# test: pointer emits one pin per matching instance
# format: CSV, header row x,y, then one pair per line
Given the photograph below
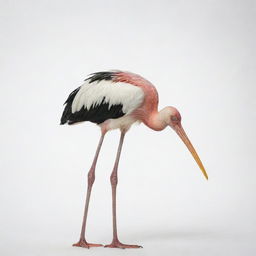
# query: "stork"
x,y
116,100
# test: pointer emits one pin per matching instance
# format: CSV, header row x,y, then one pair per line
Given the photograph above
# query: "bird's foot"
x,y
84,244
117,244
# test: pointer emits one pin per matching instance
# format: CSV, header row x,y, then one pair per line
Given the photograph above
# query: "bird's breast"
x,y
123,123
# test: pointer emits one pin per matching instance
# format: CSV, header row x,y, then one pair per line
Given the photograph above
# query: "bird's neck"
x,y
156,121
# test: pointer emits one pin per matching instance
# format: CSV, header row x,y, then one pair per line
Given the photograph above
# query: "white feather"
x,y
92,94
124,123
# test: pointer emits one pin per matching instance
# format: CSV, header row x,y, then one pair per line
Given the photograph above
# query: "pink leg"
x,y
91,177
114,179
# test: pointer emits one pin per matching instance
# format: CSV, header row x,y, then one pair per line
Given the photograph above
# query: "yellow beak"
x,y
180,131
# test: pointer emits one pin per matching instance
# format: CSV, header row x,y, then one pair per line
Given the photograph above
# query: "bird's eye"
x,y
174,118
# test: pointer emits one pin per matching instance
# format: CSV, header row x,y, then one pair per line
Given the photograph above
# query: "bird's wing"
x,y
98,101
113,93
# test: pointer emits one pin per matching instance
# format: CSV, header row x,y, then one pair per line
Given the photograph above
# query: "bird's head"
x,y
172,118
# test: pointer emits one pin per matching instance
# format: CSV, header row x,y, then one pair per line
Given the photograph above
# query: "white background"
x,y
201,57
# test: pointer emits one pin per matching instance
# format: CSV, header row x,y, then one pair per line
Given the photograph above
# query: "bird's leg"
x,y
91,177
114,179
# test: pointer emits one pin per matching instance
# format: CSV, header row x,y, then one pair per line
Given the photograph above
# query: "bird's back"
x,y
102,97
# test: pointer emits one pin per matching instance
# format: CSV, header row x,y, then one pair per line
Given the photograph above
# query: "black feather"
x,y
99,76
67,110
96,114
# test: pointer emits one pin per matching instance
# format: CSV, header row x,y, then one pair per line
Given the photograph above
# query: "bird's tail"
x,y
68,108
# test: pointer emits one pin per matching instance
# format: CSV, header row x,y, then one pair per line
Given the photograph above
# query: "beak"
x,y
180,131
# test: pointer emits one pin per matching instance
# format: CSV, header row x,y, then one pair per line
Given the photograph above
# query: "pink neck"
x,y
155,121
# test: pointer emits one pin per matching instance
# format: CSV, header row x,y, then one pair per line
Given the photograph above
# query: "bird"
x,y
116,100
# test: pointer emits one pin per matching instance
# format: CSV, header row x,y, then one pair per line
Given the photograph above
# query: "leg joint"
x,y
113,179
91,177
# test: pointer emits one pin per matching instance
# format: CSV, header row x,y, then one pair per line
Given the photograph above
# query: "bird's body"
x,y
113,100
116,100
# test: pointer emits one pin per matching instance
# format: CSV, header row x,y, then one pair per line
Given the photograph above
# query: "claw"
x,y
117,244
84,244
